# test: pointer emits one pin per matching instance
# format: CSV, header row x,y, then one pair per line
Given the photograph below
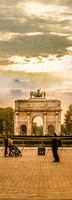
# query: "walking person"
x,y
6,146
55,145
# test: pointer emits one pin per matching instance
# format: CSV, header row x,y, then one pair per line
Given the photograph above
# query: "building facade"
x,y
27,110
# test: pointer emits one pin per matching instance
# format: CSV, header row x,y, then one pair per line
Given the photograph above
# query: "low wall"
x,y
35,141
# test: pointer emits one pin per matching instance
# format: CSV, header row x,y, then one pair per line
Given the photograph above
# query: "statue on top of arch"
x,y
37,94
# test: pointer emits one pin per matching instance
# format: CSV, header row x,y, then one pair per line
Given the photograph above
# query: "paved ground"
x,y
33,177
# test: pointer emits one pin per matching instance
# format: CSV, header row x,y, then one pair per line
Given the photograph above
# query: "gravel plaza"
x,y
34,177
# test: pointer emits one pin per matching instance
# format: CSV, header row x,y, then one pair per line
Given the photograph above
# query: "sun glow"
x,y
60,34
34,33
45,11
40,9
40,64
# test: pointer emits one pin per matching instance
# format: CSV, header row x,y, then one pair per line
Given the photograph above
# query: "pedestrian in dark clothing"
x,y
54,143
10,144
6,145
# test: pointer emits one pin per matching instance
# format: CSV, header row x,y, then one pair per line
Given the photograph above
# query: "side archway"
x,y
23,129
51,129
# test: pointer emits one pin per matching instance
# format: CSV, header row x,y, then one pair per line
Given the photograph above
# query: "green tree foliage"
x,y
63,129
68,121
51,129
6,120
37,130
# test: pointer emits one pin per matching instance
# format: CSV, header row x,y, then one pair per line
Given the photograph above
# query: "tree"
x,y
6,120
68,120
63,130
2,119
37,130
51,129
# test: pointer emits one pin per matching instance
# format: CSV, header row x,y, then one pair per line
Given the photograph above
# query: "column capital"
x,y
16,113
56,113
28,113
44,113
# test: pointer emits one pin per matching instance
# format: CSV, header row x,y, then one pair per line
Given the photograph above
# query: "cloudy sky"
x,y
35,50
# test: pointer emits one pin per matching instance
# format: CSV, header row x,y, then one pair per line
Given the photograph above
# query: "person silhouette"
x,y
6,145
54,144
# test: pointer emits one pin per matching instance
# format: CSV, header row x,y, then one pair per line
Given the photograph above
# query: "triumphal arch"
x,y
37,105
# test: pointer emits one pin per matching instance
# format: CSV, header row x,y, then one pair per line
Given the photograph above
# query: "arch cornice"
x,y
37,110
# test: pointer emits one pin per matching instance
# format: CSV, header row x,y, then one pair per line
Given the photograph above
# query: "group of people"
x,y
10,148
55,143
8,142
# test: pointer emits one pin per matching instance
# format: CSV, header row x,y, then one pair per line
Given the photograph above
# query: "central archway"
x,y
37,126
